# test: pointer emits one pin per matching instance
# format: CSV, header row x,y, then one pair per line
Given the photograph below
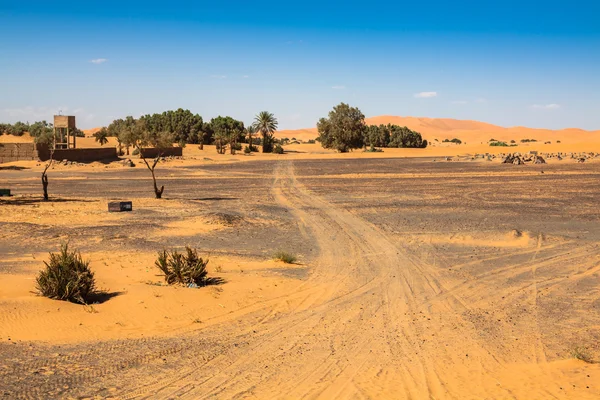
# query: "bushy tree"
x,y
226,130
185,126
343,130
377,136
19,128
401,136
42,132
266,123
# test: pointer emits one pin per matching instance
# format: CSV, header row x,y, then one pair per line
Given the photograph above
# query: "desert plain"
x,y
420,273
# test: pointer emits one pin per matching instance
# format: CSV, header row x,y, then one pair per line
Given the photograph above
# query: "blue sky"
x,y
528,63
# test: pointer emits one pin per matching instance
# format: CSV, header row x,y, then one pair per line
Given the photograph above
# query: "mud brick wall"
x,y
151,152
78,155
17,151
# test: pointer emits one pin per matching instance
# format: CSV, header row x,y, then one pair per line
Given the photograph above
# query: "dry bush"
x,y
184,269
285,257
582,354
66,277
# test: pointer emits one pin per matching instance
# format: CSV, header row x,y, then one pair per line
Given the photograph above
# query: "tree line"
x,y
183,127
345,129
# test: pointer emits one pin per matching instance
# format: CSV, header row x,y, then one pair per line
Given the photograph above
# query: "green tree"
x,y
226,130
185,126
136,134
251,130
41,132
101,136
344,129
266,123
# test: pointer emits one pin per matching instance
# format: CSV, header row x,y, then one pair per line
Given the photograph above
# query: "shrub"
x,y
135,152
247,150
66,277
500,144
373,149
184,269
455,140
582,354
528,140
278,149
285,257
237,146
311,141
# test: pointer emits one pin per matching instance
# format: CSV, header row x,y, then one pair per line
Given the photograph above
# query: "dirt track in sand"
x,y
386,312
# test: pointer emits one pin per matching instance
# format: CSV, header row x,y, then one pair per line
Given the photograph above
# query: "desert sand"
x,y
416,277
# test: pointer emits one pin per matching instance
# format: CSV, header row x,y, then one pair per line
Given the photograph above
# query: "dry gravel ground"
x,y
425,280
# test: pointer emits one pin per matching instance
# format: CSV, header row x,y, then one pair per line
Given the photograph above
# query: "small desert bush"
x,y
182,268
285,257
247,150
278,149
66,277
582,354
455,140
499,144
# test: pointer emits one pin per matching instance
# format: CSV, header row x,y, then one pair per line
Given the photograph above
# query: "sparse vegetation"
x,y
183,268
528,140
66,277
278,149
455,140
286,257
582,354
498,144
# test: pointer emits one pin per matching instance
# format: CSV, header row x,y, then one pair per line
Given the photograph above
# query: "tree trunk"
x,y
45,185
158,192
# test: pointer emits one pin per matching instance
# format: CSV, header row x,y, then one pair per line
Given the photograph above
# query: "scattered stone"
x,y
128,163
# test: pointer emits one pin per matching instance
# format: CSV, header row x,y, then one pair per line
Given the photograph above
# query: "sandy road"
x,y
373,321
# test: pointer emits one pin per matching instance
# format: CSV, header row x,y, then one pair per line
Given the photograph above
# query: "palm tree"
x,y
101,136
266,123
251,130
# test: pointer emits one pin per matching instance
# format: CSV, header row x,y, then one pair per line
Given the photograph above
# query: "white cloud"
x,y
459,102
481,100
219,76
546,106
245,76
425,95
98,60
339,87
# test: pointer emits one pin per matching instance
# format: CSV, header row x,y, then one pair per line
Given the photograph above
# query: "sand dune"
x,y
473,132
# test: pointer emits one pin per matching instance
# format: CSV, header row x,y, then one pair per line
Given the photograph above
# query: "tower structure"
x,y
64,132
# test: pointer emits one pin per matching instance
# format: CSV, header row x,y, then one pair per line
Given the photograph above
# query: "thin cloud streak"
x,y
546,106
425,95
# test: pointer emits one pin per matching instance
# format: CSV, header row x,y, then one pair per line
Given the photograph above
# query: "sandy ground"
x,y
417,278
